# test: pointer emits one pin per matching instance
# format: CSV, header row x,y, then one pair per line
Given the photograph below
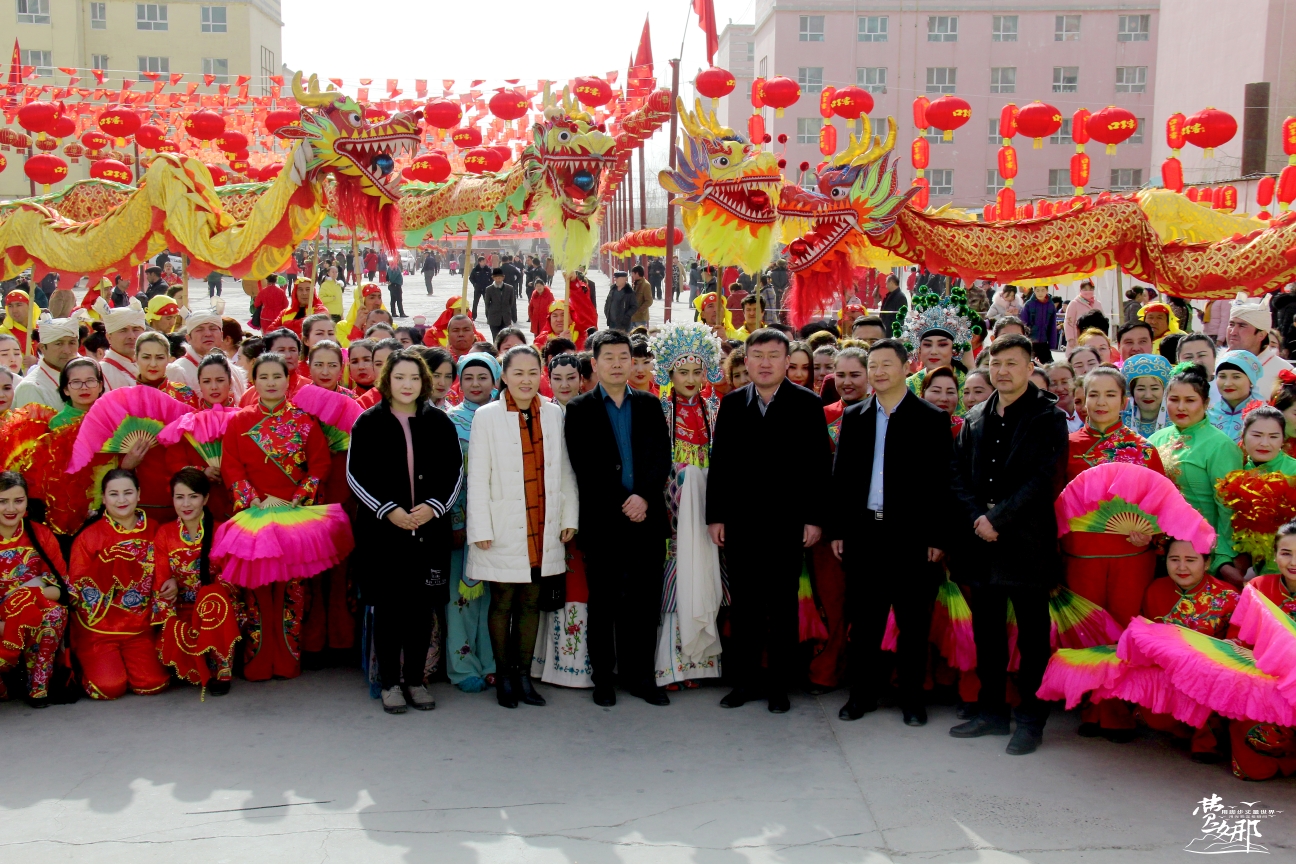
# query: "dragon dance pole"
x,y
463,294
668,288
643,203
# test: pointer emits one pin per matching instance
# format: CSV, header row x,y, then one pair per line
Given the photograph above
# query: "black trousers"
x,y
989,624
478,293
764,570
397,301
427,281
625,599
879,578
403,624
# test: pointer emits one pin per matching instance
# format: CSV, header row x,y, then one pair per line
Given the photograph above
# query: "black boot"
x,y
505,693
526,690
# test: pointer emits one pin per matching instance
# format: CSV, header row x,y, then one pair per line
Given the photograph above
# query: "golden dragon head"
x,y
728,189
564,164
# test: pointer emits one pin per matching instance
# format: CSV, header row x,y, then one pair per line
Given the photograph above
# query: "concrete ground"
x,y
312,770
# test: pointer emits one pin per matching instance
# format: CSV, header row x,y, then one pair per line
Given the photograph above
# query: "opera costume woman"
x,y
273,455
522,508
1237,378
33,610
1146,377
1195,456
111,583
404,471
688,639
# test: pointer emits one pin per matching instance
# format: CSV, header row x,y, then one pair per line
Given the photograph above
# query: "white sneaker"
x,y
393,700
421,698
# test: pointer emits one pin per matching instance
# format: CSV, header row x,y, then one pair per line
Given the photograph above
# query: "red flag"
x,y
15,66
644,55
705,10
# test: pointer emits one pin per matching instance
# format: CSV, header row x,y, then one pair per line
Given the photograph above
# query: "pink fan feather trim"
x,y
206,426
252,557
108,412
334,409
1142,487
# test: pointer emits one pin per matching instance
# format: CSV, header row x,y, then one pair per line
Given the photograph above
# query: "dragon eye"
x,y
837,192
354,118
720,161
564,136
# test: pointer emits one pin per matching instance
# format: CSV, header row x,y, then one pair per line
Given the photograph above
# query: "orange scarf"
x,y
532,474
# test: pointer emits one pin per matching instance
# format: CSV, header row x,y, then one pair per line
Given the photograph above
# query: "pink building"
x,y
1083,54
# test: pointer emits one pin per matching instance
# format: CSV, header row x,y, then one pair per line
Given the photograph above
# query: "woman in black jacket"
x,y
405,470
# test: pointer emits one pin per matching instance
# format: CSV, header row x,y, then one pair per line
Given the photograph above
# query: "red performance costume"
x,y
110,579
294,315
68,497
1265,750
33,623
280,452
200,627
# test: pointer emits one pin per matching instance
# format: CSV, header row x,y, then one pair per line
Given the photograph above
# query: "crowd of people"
x,y
588,507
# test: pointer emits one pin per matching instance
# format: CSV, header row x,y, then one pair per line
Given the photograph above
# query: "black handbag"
x,y
553,592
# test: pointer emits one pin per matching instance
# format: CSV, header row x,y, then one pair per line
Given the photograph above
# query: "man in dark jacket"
x,y
501,302
154,285
621,303
1009,465
479,278
656,275
643,292
892,479
765,538
893,300
429,270
620,450
396,288
512,278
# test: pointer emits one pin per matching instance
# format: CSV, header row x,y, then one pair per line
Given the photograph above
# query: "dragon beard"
x,y
378,216
717,235
571,240
814,288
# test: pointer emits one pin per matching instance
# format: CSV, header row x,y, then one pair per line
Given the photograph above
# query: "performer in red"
x,y
356,322
559,322
152,354
110,580
199,627
273,455
270,302
539,307
32,614
288,346
303,303
584,314
215,378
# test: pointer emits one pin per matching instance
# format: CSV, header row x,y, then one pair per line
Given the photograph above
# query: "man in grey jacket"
x,y
621,303
501,302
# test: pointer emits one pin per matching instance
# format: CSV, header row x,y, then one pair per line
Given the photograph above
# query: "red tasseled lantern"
x,y
204,125
95,140
1226,198
1193,194
46,169
1080,171
1007,203
1175,124
111,169
39,117
1210,128
431,167
827,140
756,129
1008,122
120,123
276,120
920,153
509,105
1289,137
218,175
920,112
149,137
1007,163
590,92
1111,126
230,142
780,92
923,196
851,103
1172,174
988,213
1265,191
1038,120
1286,187
466,137
947,114
714,83
1080,128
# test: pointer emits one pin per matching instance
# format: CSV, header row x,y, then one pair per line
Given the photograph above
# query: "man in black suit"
x,y
479,278
765,546
891,477
1009,465
513,278
620,450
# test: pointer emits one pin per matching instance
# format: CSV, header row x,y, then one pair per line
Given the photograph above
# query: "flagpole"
x,y
668,288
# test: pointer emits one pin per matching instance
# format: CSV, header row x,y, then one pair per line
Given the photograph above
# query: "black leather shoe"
x,y
738,697
980,725
1089,730
778,703
218,688
915,716
965,710
604,696
653,695
854,708
1026,739
505,693
527,692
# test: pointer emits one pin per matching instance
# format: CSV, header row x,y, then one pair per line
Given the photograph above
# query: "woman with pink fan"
x,y
274,459
194,441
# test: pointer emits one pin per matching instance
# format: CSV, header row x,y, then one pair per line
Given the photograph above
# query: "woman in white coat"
x,y
522,508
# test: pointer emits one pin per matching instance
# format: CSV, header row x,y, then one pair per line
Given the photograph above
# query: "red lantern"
x,y
230,142
924,193
239,166
988,213
1006,202
509,105
1080,128
1175,124
1038,120
1193,194
920,112
1226,198
111,169
73,151
442,114
1209,129
118,123
827,139
756,129
1045,209
149,137
825,102
920,154
851,103
167,147
1008,122
947,114
218,175
1207,198
269,172
1286,187
47,145
592,92
1265,191
39,117
466,137
1172,174
505,153
758,94
431,167
480,160
781,92
62,127
95,140
714,83
1027,211
46,169
1007,163
4,163
204,125
1079,172
276,120
1289,138
1111,126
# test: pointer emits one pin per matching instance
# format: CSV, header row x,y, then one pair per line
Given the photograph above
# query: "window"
x,y
1063,134
1137,137
764,67
1005,28
935,136
1131,79
42,60
33,12
1133,28
810,78
213,19
1066,79
268,68
808,130
1003,79
993,130
155,64
940,181
1126,178
872,29
1066,28
751,51
1060,182
993,181
872,78
99,61
742,52
942,28
98,16
217,67
941,79
811,28
150,16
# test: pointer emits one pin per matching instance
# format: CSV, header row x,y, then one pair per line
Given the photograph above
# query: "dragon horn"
x,y
690,123
312,97
879,148
707,119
